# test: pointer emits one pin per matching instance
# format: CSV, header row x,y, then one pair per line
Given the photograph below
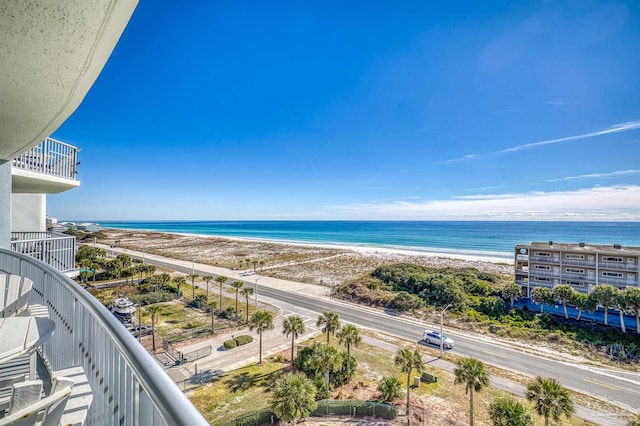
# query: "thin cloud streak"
x,y
613,203
456,160
616,128
598,175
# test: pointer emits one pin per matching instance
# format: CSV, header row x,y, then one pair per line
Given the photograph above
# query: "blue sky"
x,y
364,110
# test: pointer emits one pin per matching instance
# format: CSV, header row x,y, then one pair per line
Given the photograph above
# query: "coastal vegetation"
x,y
480,302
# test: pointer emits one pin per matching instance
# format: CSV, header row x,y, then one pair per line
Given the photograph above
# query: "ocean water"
x,y
489,239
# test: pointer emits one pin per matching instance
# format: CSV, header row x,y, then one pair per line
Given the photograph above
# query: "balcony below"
x,y
47,168
56,250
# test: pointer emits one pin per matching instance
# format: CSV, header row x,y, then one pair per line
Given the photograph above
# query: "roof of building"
x,y
583,247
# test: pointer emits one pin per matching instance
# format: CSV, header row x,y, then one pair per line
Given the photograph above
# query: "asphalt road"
x,y
618,387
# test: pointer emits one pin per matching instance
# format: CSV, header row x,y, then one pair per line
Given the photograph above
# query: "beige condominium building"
x,y
581,266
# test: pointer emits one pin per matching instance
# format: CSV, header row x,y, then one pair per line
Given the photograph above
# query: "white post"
x,y
5,204
441,325
256,293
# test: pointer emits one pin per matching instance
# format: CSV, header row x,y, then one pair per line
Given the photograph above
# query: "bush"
x,y
151,298
229,344
243,339
390,388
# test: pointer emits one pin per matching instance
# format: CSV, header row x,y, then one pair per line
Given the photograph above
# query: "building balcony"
x,y
544,259
617,282
128,386
618,266
56,250
47,168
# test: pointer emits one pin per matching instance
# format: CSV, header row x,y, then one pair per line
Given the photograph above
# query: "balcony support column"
x,y
5,204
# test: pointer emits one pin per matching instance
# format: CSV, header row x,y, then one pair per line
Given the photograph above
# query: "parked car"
x,y
433,338
246,273
141,330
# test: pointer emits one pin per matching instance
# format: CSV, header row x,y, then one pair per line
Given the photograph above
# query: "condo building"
x,y
581,266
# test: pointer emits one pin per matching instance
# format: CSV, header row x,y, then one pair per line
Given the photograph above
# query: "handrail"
x,y
51,157
129,387
57,250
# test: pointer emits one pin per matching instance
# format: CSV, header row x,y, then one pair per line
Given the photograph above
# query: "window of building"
x,y
543,279
575,283
574,256
611,259
542,253
575,270
545,267
612,274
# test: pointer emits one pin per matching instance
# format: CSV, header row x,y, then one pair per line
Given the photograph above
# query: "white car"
x,y
247,273
433,337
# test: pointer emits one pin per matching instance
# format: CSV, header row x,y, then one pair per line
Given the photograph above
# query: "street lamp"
x,y
441,324
256,293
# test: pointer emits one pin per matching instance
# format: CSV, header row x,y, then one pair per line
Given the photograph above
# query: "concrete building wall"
x,y
28,212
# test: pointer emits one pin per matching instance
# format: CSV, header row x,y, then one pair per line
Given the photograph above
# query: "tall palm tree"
x,y
408,360
604,295
179,282
237,285
154,312
330,321
212,305
294,326
582,302
542,296
207,279
348,336
549,398
564,293
294,397
261,321
506,411
633,301
472,374
246,292
620,302
221,279
511,292
193,277
324,360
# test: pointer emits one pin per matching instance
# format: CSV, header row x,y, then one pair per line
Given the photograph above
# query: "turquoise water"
x,y
494,239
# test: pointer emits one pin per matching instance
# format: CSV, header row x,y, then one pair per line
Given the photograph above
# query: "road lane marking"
x,y
496,354
602,384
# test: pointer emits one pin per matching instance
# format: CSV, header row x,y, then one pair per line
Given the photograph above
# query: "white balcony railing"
x,y
56,250
128,386
50,157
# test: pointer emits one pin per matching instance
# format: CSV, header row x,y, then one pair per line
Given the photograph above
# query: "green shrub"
x,y
151,298
229,344
243,339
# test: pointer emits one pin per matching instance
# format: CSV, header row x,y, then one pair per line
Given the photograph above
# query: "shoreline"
x,y
364,249
320,264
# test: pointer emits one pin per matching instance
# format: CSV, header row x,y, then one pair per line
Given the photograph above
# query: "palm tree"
x,y
582,302
193,277
254,262
212,305
207,279
221,279
154,312
564,294
261,321
179,282
324,360
506,411
633,301
347,336
472,374
408,360
330,321
621,304
549,398
246,292
390,388
294,326
511,292
604,295
542,296
294,397
261,265
237,285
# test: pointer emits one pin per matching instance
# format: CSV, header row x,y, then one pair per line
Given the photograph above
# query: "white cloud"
x,y
560,102
598,175
615,203
455,160
616,128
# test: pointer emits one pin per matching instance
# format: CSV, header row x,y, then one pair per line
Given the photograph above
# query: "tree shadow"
x,y
242,382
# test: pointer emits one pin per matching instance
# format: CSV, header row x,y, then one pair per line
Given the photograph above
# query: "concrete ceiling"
x,y
51,52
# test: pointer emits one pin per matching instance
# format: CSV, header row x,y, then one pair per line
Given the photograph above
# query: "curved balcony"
x,y
128,386
57,250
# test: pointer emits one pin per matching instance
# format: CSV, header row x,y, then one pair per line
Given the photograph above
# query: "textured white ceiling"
x,y
51,52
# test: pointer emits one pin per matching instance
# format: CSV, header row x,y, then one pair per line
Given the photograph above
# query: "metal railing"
x,y
128,386
56,250
617,266
51,157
